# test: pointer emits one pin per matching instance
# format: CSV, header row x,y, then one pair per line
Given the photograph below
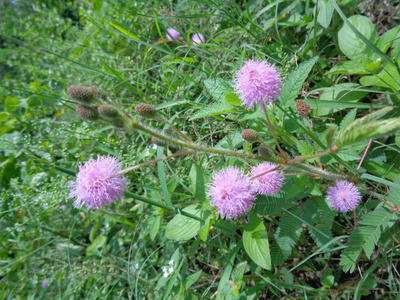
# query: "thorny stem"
x,y
365,154
185,137
269,171
154,161
133,124
377,197
355,218
282,154
296,159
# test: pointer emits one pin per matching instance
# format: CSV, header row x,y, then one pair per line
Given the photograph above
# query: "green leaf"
x,y
123,31
387,39
293,82
182,228
97,243
233,99
343,92
197,182
219,88
349,42
349,67
216,108
327,279
381,169
3,116
192,279
255,242
389,77
325,13
306,149
11,104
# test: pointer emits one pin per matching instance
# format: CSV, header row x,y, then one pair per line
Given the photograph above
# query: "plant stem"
x,y
377,197
296,159
282,154
185,137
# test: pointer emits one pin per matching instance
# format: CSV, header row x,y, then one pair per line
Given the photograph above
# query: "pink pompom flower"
x,y
343,196
172,34
231,192
268,183
98,183
198,39
258,82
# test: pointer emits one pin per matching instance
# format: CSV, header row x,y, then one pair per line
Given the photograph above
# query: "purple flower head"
x,y
257,82
268,183
98,183
198,39
44,283
231,192
172,34
344,196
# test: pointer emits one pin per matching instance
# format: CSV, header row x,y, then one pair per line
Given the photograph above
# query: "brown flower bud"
x,y
108,112
87,112
302,108
97,92
145,110
264,152
80,93
249,135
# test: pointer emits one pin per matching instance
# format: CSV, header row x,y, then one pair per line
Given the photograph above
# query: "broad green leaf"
x,y
255,242
294,82
11,104
216,108
182,228
350,44
381,169
197,182
233,99
3,116
327,279
349,67
325,13
387,39
343,92
389,77
218,88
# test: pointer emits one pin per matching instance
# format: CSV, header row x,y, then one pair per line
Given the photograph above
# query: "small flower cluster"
x,y
168,270
173,34
233,193
343,196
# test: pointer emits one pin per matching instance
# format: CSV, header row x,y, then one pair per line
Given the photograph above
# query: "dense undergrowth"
x,y
341,57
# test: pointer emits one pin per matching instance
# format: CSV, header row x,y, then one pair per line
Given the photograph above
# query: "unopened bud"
x,y
107,111
87,112
97,92
250,135
80,93
145,110
264,152
302,108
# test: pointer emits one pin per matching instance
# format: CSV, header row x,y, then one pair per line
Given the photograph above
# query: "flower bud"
x,y
145,110
108,112
87,112
303,108
97,92
80,93
264,152
250,135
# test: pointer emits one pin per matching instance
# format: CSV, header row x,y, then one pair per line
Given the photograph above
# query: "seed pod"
x,y
303,108
145,110
108,112
87,112
80,93
249,135
264,152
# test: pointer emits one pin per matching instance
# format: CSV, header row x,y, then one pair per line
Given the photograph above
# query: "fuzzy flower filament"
x,y
343,196
231,193
268,183
98,183
258,82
